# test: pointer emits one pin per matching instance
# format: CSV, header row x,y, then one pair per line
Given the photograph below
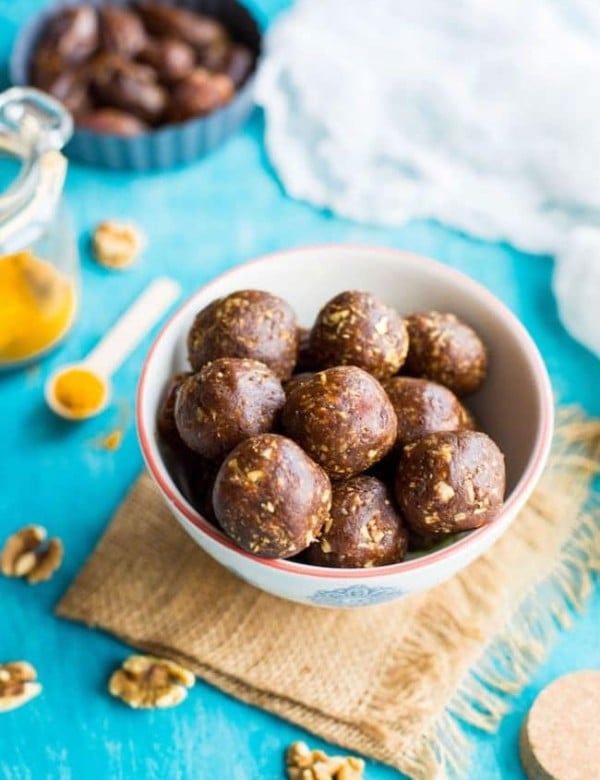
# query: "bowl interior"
x,y
514,403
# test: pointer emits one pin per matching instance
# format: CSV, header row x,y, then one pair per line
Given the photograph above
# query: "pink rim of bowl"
x,y
518,496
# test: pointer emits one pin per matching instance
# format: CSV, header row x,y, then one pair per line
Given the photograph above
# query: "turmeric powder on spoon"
x,y
80,392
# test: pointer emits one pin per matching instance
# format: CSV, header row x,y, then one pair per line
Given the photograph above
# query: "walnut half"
x,y
305,764
26,555
147,682
17,685
116,245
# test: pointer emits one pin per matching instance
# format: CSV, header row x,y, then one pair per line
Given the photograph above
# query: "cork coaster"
x,y
560,739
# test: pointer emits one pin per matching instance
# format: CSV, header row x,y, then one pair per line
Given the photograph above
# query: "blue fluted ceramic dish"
x,y
167,146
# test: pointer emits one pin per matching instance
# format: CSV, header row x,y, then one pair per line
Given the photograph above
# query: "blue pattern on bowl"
x,y
355,596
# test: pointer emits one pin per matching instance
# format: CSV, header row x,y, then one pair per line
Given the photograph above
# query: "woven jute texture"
x,y
394,682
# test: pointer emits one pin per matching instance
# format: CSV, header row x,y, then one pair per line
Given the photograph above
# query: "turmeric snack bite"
x,y
447,350
342,418
424,407
450,481
246,324
357,329
224,403
364,528
270,497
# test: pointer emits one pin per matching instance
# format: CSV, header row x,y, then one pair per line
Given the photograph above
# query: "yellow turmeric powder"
x,y
112,441
79,391
37,306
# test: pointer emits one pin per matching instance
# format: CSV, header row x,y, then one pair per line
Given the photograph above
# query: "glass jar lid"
x,y
33,128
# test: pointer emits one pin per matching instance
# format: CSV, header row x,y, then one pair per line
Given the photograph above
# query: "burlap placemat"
x,y
393,682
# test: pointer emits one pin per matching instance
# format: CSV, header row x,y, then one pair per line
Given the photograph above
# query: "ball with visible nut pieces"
x,y
424,407
295,380
450,481
357,329
246,324
364,528
447,350
342,418
270,497
227,401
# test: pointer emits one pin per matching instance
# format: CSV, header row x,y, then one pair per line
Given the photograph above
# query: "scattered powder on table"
x,y
112,441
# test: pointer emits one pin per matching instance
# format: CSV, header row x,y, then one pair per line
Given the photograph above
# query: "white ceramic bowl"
x,y
514,407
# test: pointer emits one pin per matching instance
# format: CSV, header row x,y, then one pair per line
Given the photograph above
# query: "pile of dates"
x,y
127,69
345,445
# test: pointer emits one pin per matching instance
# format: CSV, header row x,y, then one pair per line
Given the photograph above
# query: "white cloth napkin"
x,y
483,115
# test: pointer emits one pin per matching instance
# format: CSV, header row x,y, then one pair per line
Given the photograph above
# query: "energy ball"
x,y
342,418
270,497
165,419
227,401
246,324
363,530
446,350
450,481
295,380
424,407
357,329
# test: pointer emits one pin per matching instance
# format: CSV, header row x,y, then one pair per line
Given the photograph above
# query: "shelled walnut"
x,y
302,763
26,555
147,682
116,245
18,685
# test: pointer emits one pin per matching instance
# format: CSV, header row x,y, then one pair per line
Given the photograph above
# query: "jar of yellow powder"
x,y
39,264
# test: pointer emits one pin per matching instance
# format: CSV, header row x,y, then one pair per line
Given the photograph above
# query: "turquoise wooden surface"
x,y
199,222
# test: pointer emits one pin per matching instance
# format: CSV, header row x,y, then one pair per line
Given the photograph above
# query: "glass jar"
x,y
39,263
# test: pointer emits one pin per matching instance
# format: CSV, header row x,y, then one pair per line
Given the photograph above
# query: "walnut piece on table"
x,y
305,764
116,245
27,555
18,685
147,682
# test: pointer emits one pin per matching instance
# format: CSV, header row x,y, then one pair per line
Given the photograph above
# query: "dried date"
x,y
199,94
171,59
